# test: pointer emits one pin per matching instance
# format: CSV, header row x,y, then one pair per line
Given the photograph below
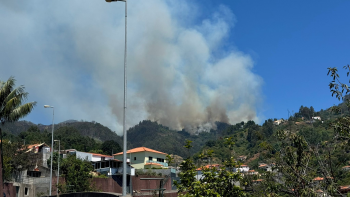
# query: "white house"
x,y
143,158
278,122
316,118
241,168
89,156
265,167
112,167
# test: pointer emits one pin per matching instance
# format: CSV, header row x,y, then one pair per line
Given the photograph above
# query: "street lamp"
x,y
53,115
58,161
124,109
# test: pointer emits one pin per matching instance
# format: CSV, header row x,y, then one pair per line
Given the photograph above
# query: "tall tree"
x,y
12,109
110,147
77,174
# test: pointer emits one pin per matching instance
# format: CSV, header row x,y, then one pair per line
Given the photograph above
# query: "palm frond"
x,y
19,91
6,89
21,111
13,102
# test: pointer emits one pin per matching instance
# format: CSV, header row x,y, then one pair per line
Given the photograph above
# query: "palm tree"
x,y
11,109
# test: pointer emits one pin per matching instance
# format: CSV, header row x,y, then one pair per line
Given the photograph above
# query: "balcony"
x,y
162,163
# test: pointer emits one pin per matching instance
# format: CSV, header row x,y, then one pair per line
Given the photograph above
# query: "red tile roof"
x,y
208,166
157,164
95,154
141,149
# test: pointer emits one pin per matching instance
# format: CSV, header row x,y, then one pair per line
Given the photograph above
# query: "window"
x,y
107,164
102,158
160,159
26,191
134,158
150,158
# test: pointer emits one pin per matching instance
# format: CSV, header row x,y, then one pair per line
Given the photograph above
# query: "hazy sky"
x,y
190,63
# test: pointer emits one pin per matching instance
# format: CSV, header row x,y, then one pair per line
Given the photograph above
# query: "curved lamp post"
x,y
53,115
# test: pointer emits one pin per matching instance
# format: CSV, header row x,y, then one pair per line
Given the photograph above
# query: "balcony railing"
x,y
162,163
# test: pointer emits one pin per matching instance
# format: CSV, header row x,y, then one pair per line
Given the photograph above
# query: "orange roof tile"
x,y
208,166
346,167
141,149
258,180
95,154
244,165
318,179
344,187
157,164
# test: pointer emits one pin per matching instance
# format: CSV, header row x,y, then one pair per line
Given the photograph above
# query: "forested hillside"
x,y
247,136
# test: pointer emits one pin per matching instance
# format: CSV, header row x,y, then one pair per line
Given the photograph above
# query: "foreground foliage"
x,y
76,173
11,109
215,181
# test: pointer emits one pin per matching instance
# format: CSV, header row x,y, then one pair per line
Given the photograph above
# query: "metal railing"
x,y
162,163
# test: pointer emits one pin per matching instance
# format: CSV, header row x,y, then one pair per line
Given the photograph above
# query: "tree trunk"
x,y
1,168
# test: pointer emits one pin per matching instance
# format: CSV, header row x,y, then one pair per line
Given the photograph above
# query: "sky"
x,y
190,63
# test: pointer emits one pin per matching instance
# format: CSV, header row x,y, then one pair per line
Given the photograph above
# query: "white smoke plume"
x,y
181,72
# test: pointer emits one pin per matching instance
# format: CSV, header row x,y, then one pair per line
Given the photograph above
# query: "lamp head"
x,y
48,106
113,0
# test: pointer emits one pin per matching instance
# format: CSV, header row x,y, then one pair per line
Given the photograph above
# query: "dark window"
x,y
107,164
160,159
26,191
134,158
102,158
102,164
150,158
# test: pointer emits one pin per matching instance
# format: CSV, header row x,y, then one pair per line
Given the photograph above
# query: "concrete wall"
x,y
114,184
164,172
89,194
9,190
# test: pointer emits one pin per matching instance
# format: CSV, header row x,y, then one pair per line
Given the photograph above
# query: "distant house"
x,y
112,167
142,157
104,164
346,168
199,171
265,167
241,168
42,149
278,122
258,181
89,156
252,172
316,118
242,158
344,189
217,166
318,179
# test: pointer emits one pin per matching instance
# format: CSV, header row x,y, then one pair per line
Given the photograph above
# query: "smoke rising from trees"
x,y
181,71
